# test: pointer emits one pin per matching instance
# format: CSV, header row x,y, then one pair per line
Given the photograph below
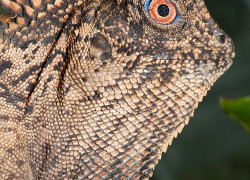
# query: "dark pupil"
x,y
163,10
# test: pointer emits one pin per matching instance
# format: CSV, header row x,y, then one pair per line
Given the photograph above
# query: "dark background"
x,y
213,146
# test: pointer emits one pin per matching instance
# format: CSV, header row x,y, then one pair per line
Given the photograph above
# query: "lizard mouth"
x,y
225,61
191,56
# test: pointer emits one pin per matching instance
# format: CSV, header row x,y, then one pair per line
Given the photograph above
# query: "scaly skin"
x,y
96,89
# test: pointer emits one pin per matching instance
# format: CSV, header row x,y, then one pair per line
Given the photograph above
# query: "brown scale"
x,y
99,89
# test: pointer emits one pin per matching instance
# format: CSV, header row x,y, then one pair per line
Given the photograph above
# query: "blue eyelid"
x,y
147,5
176,18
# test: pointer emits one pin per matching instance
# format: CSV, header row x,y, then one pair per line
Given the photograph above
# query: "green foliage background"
x,y
238,109
213,146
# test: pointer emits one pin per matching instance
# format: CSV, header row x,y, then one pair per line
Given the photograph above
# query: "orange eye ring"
x,y
162,11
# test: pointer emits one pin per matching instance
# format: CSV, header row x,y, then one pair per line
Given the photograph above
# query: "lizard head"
x,y
151,54
148,64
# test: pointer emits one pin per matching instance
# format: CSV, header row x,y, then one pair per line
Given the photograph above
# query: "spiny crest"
x,y
29,19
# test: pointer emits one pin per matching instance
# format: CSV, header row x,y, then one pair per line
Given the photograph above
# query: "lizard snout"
x,y
224,40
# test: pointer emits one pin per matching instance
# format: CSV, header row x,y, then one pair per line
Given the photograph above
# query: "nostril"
x,y
221,38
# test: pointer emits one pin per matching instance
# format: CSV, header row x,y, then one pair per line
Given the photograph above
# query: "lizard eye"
x,y
162,11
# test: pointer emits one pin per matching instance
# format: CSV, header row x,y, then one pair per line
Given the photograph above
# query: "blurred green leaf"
x,y
238,109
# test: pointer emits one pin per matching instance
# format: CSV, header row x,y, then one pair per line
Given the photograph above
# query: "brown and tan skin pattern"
x,y
96,90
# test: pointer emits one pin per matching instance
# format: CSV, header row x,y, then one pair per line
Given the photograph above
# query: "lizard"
x,y
99,89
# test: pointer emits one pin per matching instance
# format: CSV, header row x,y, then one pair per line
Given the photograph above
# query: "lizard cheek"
x,y
100,47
